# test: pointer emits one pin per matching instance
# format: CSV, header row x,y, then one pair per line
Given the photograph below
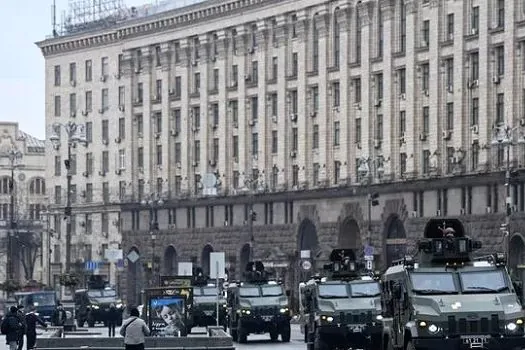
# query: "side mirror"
x,y
288,293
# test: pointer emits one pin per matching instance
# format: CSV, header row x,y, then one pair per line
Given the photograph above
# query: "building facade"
x,y
23,198
294,111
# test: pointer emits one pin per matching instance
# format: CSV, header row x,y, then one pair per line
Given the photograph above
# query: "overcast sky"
x,y
22,23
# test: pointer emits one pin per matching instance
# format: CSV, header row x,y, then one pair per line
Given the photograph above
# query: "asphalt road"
x,y
254,341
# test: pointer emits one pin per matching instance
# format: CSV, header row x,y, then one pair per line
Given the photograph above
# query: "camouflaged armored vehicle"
x,y
258,305
450,300
205,303
342,310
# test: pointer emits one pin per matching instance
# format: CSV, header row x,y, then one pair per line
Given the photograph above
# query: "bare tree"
x,y
29,244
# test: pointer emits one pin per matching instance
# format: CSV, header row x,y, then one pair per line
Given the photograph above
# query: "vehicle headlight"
x,y
433,328
119,305
327,318
379,317
284,310
511,326
422,324
246,312
96,307
225,306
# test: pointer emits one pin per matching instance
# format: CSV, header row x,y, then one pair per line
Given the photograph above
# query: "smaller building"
x,y
22,200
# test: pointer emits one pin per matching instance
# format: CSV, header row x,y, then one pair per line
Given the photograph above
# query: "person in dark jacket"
x,y
11,327
113,316
22,316
32,319
59,316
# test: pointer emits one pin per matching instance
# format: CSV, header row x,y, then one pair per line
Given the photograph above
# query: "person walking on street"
x,y
11,328
113,316
59,316
22,316
134,330
32,319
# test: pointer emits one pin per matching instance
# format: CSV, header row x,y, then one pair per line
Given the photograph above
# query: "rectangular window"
x,y
475,20
449,63
197,151
89,70
178,152
158,90
275,70
58,77
159,154
255,72
105,130
426,77
425,33
337,133
474,66
58,166
315,137
379,131
178,87
402,74
254,104
379,86
105,99
73,73
255,144
235,146
450,26
88,101
500,13
450,116
104,67
315,175
235,75
403,28
295,139
216,79
500,108
58,106
402,123
426,162
121,159
196,82
275,141
215,150
337,172
403,163
336,94
474,119
72,104
500,60
426,120
295,64
358,130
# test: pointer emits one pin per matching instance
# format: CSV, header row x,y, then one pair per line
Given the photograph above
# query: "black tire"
x,y
286,333
319,343
242,335
410,346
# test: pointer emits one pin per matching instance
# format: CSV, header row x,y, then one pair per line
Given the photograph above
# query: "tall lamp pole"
x,y
252,184
506,136
367,177
45,215
75,134
14,155
153,202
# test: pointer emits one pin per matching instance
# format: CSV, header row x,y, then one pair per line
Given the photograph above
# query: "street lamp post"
x,y
153,202
252,184
366,174
507,136
49,233
14,155
74,133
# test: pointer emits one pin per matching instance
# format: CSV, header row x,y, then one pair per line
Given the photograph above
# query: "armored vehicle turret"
x,y
204,309
258,305
446,298
342,309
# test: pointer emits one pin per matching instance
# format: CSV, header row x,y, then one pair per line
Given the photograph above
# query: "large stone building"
x,y
299,108
23,237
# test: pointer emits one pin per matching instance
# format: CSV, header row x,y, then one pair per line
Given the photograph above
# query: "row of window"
x,y
34,212
37,186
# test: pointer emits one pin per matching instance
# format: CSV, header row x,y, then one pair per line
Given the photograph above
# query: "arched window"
x,y
38,186
5,185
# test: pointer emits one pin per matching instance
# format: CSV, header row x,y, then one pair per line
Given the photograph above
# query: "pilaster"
x,y
241,41
146,59
281,31
222,44
301,25
127,64
184,53
166,52
262,36
204,49
363,11
322,23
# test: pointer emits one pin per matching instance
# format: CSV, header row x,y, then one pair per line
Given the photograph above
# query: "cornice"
x,y
175,19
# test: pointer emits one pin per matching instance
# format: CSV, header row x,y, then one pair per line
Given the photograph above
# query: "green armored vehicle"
x,y
258,305
344,309
205,303
450,300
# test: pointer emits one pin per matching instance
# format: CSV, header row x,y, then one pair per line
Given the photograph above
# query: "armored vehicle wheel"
x,y
274,335
242,335
286,333
320,344
410,346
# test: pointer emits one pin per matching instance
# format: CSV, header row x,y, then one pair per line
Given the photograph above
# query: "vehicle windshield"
x,y
44,299
272,291
209,291
102,293
333,291
483,281
249,292
433,283
369,289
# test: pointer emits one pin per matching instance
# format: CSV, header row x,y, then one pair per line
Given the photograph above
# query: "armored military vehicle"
x,y
205,302
450,300
258,305
343,309
92,304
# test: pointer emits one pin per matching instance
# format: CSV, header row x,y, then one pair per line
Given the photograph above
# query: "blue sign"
x,y
91,265
369,250
120,263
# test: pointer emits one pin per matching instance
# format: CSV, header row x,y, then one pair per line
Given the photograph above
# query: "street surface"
x,y
254,341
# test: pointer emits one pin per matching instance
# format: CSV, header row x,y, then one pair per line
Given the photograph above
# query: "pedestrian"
x,y
59,316
22,316
113,316
134,330
32,319
11,327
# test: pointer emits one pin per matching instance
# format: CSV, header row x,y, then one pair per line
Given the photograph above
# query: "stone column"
x,y
302,92
264,160
245,139
148,140
413,91
186,145
284,162
206,132
224,161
